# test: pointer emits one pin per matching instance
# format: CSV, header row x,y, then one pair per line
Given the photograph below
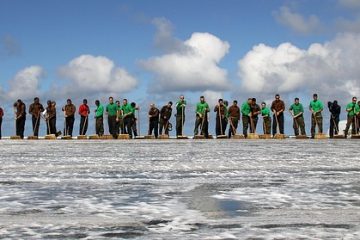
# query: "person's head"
x,y
181,97
68,101
221,101
125,101
85,101
152,105
277,96
315,96
354,99
19,101
97,102
48,102
335,102
296,100
253,100
202,99
117,102
263,105
235,102
249,100
170,104
111,100
133,104
36,100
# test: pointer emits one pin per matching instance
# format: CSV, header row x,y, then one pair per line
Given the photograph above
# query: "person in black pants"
x,y
154,120
20,118
278,108
1,117
335,110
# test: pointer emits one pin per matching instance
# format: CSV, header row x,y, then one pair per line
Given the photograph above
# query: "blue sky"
x,y
255,48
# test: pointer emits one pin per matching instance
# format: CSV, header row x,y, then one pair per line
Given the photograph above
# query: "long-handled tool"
x,y
83,128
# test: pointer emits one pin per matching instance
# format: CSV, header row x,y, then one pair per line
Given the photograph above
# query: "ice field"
x,y
180,189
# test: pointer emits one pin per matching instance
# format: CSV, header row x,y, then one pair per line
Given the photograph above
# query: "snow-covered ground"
x,y
180,189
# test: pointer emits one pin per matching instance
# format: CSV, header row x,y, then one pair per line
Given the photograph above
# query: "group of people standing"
x,y
122,117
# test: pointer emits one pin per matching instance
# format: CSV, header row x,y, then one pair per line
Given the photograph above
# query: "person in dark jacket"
x,y
20,116
153,120
278,108
165,115
335,111
35,109
220,110
50,117
234,117
1,117
69,113
254,118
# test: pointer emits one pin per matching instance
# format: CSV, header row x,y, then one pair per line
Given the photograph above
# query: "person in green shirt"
x,y
265,113
111,110
202,108
246,114
316,107
180,115
352,109
297,112
99,118
128,115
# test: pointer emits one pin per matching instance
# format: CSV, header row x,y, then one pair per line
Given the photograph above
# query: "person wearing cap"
x,y
246,114
69,113
220,110
84,112
297,112
316,107
335,111
20,117
234,117
99,118
278,108
1,118
352,109
111,110
35,110
153,120
202,109
255,111
165,115
265,113
180,115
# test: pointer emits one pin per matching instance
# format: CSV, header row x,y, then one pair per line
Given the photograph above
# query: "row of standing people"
x,y
122,119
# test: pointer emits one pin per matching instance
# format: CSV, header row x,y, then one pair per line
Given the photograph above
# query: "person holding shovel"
x,y
316,107
84,112
255,111
265,113
165,115
352,108
246,113
278,108
69,113
234,117
180,115
202,108
1,117
297,112
220,110
335,111
35,110
20,117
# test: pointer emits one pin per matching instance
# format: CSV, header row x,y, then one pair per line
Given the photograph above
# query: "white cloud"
x,y
297,22
351,4
25,84
191,67
96,74
332,68
212,97
348,25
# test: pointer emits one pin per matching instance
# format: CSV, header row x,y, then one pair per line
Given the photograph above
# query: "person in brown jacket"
x,y
154,114
234,117
35,109
50,117
278,108
69,112
220,110
20,117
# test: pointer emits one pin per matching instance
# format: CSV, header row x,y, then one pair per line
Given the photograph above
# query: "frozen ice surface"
x,y
183,189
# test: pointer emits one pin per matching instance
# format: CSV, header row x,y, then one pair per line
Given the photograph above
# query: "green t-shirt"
x,y
265,112
111,109
296,108
179,105
99,111
245,109
126,109
316,106
354,109
201,108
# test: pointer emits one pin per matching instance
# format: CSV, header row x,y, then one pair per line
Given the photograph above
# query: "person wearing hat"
x,y
316,107
153,120
84,112
202,109
335,111
265,113
278,108
35,110
69,113
165,115
297,111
